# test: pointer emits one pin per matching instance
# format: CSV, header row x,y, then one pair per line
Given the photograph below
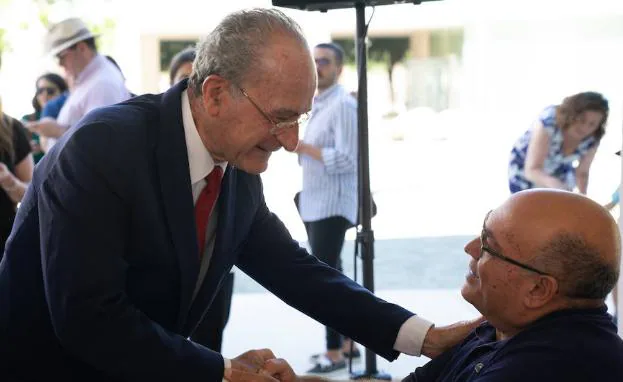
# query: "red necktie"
x,y
205,204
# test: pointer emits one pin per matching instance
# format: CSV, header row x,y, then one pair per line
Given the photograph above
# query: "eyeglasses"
x,y
322,61
62,54
50,91
278,127
484,248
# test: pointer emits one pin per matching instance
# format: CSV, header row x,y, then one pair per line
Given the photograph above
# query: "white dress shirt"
x,y
99,84
201,164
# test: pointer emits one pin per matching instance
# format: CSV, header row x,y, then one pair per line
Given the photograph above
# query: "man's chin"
x,y
254,167
468,295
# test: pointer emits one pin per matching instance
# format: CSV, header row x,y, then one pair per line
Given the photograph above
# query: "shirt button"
x,y
478,367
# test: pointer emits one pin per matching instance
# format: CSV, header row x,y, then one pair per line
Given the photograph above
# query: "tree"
x,y
386,50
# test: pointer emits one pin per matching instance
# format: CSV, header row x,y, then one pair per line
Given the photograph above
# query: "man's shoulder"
x,y
345,97
120,128
134,111
580,343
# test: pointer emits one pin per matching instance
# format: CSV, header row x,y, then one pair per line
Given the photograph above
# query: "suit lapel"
x,y
174,176
221,260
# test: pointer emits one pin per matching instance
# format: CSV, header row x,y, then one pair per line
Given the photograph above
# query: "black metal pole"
x,y
365,236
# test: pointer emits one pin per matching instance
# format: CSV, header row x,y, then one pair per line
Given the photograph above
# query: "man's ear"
x,y
215,91
542,292
339,70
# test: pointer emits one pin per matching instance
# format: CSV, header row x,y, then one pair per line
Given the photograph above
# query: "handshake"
x,y
262,366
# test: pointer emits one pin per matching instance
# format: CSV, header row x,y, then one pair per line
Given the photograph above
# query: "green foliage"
x,y
3,44
169,48
391,50
105,30
446,42
386,50
44,18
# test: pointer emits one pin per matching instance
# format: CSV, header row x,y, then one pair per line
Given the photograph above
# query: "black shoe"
x,y
325,365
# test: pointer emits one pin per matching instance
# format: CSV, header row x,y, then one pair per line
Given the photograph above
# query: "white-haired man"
x,y
133,221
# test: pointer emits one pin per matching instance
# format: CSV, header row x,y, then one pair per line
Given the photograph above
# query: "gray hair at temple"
x,y
233,48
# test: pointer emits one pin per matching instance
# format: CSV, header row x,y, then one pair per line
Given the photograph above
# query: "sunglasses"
x,y
61,55
322,61
48,90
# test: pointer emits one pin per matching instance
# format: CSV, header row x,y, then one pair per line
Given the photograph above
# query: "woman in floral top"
x,y
558,151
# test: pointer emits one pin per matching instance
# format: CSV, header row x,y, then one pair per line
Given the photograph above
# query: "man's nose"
x,y
473,248
289,138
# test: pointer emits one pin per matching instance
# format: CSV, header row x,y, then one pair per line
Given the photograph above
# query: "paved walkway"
x,y
261,320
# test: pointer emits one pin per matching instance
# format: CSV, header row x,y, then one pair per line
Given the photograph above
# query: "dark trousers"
x,y
209,333
326,238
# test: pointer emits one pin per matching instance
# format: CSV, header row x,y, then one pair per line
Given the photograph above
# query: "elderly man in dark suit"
x,y
135,218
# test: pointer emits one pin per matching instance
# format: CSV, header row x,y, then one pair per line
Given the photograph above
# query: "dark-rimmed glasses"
x,y
62,54
485,248
50,91
278,127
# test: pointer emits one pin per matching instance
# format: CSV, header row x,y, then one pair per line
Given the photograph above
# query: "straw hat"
x,y
66,33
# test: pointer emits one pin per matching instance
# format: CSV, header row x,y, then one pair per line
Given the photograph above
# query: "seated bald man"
x,y
540,272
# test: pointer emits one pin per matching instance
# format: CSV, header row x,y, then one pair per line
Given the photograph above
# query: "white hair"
x,y
236,44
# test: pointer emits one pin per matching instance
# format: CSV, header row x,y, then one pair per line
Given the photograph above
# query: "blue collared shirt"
x,y
330,186
568,345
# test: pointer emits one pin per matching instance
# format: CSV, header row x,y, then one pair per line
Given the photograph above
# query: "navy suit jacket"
x,y
99,272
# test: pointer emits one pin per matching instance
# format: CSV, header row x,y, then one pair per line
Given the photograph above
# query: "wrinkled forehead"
x,y
501,229
285,77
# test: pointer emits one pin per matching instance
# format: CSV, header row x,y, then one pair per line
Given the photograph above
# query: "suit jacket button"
x,y
479,367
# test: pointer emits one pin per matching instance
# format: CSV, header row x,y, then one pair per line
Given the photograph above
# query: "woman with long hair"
x,y
48,87
559,150
16,166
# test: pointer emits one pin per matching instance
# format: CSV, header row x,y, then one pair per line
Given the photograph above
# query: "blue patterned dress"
x,y
556,164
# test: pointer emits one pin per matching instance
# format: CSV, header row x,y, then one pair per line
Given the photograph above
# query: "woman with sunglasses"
x,y
16,165
49,86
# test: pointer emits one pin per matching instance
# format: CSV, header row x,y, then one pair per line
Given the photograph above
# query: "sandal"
x,y
325,365
356,354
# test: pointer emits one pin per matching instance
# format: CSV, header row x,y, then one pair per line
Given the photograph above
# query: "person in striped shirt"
x,y
328,200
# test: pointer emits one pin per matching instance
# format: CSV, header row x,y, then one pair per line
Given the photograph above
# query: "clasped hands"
x,y
261,366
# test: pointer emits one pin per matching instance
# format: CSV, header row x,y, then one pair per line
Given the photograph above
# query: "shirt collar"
x,y
327,93
91,67
199,159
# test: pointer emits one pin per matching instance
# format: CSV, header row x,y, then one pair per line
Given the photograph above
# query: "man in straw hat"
x,y
134,219
96,81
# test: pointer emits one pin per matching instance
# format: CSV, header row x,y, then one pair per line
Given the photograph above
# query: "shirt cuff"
x,y
411,336
227,365
329,159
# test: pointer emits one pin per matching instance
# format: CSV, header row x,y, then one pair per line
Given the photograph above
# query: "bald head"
x,y
567,235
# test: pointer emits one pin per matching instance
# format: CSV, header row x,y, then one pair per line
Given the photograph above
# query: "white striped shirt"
x,y
330,186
